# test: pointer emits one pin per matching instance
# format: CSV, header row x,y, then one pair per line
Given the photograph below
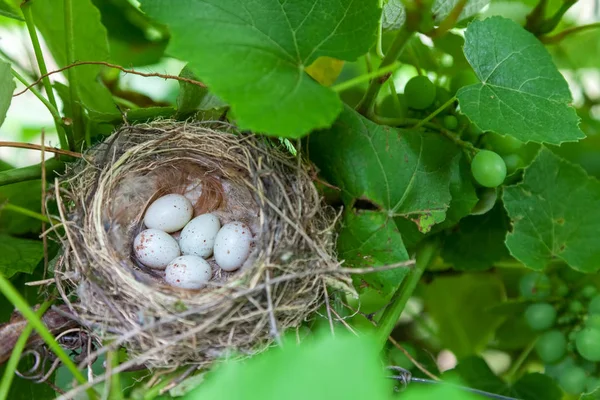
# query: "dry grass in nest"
x,y
245,178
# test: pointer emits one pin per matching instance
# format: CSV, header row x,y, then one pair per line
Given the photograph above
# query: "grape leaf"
x,y
129,42
316,369
192,98
393,15
325,70
23,194
7,87
371,239
555,214
463,321
252,54
402,173
521,93
477,374
478,241
90,44
19,255
8,10
442,8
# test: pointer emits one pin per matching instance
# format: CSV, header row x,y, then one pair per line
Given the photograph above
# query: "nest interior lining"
x,y
244,178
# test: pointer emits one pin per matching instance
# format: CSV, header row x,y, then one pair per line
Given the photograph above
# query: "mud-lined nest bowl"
x,y
234,175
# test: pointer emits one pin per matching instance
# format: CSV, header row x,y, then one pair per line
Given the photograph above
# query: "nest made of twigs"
x,y
244,177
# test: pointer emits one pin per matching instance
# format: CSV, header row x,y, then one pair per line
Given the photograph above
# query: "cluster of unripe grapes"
x,y
491,164
569,340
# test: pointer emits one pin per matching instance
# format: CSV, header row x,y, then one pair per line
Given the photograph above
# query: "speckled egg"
x,y
198,236
232,245
169,213
188,272
155,248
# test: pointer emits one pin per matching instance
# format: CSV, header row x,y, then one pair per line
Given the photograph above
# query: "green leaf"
x,y
7,87
393,15
402,173
555,214
442,8
19,255
522,93
371,239
478,241
318,369
252,54
459,307
23,194
192,98
90,44
128,34
7,10
476,374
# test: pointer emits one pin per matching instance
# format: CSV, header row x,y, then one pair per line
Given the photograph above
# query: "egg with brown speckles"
x,y
155,248
232,245
188,272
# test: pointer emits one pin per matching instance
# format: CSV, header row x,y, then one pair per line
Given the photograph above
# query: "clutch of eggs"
x,y
185,262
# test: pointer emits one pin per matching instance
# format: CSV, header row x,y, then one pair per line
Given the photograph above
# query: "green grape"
x,y
504,145
594,305
576,306
588,366
588,343
463,78
419,92
540,316
573,380
593,321
562,289
556,370
390,108
513,162
534,286
591,384
442,96
488,168
450,122
551,346
589,291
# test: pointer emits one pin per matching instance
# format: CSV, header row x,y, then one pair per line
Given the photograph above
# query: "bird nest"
x,y
243,177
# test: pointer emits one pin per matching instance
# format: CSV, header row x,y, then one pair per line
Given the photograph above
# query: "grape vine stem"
x,y
425,255
554,39
366,104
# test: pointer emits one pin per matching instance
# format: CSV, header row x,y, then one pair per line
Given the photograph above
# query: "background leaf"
x,y
478,241
393,15
475,372
7,87
371,239
253,55
403,173
442,8
90,42
19,255
522,93
459,306
555,215
23,194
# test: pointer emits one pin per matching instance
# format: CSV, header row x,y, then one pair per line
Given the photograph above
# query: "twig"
x,y
412,359
328,309
107,64
554,39
272,321
339,318
40,148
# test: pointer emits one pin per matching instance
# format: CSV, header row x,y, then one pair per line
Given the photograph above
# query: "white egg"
x,y
232,245
169,213
198,236
155,248
188,272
